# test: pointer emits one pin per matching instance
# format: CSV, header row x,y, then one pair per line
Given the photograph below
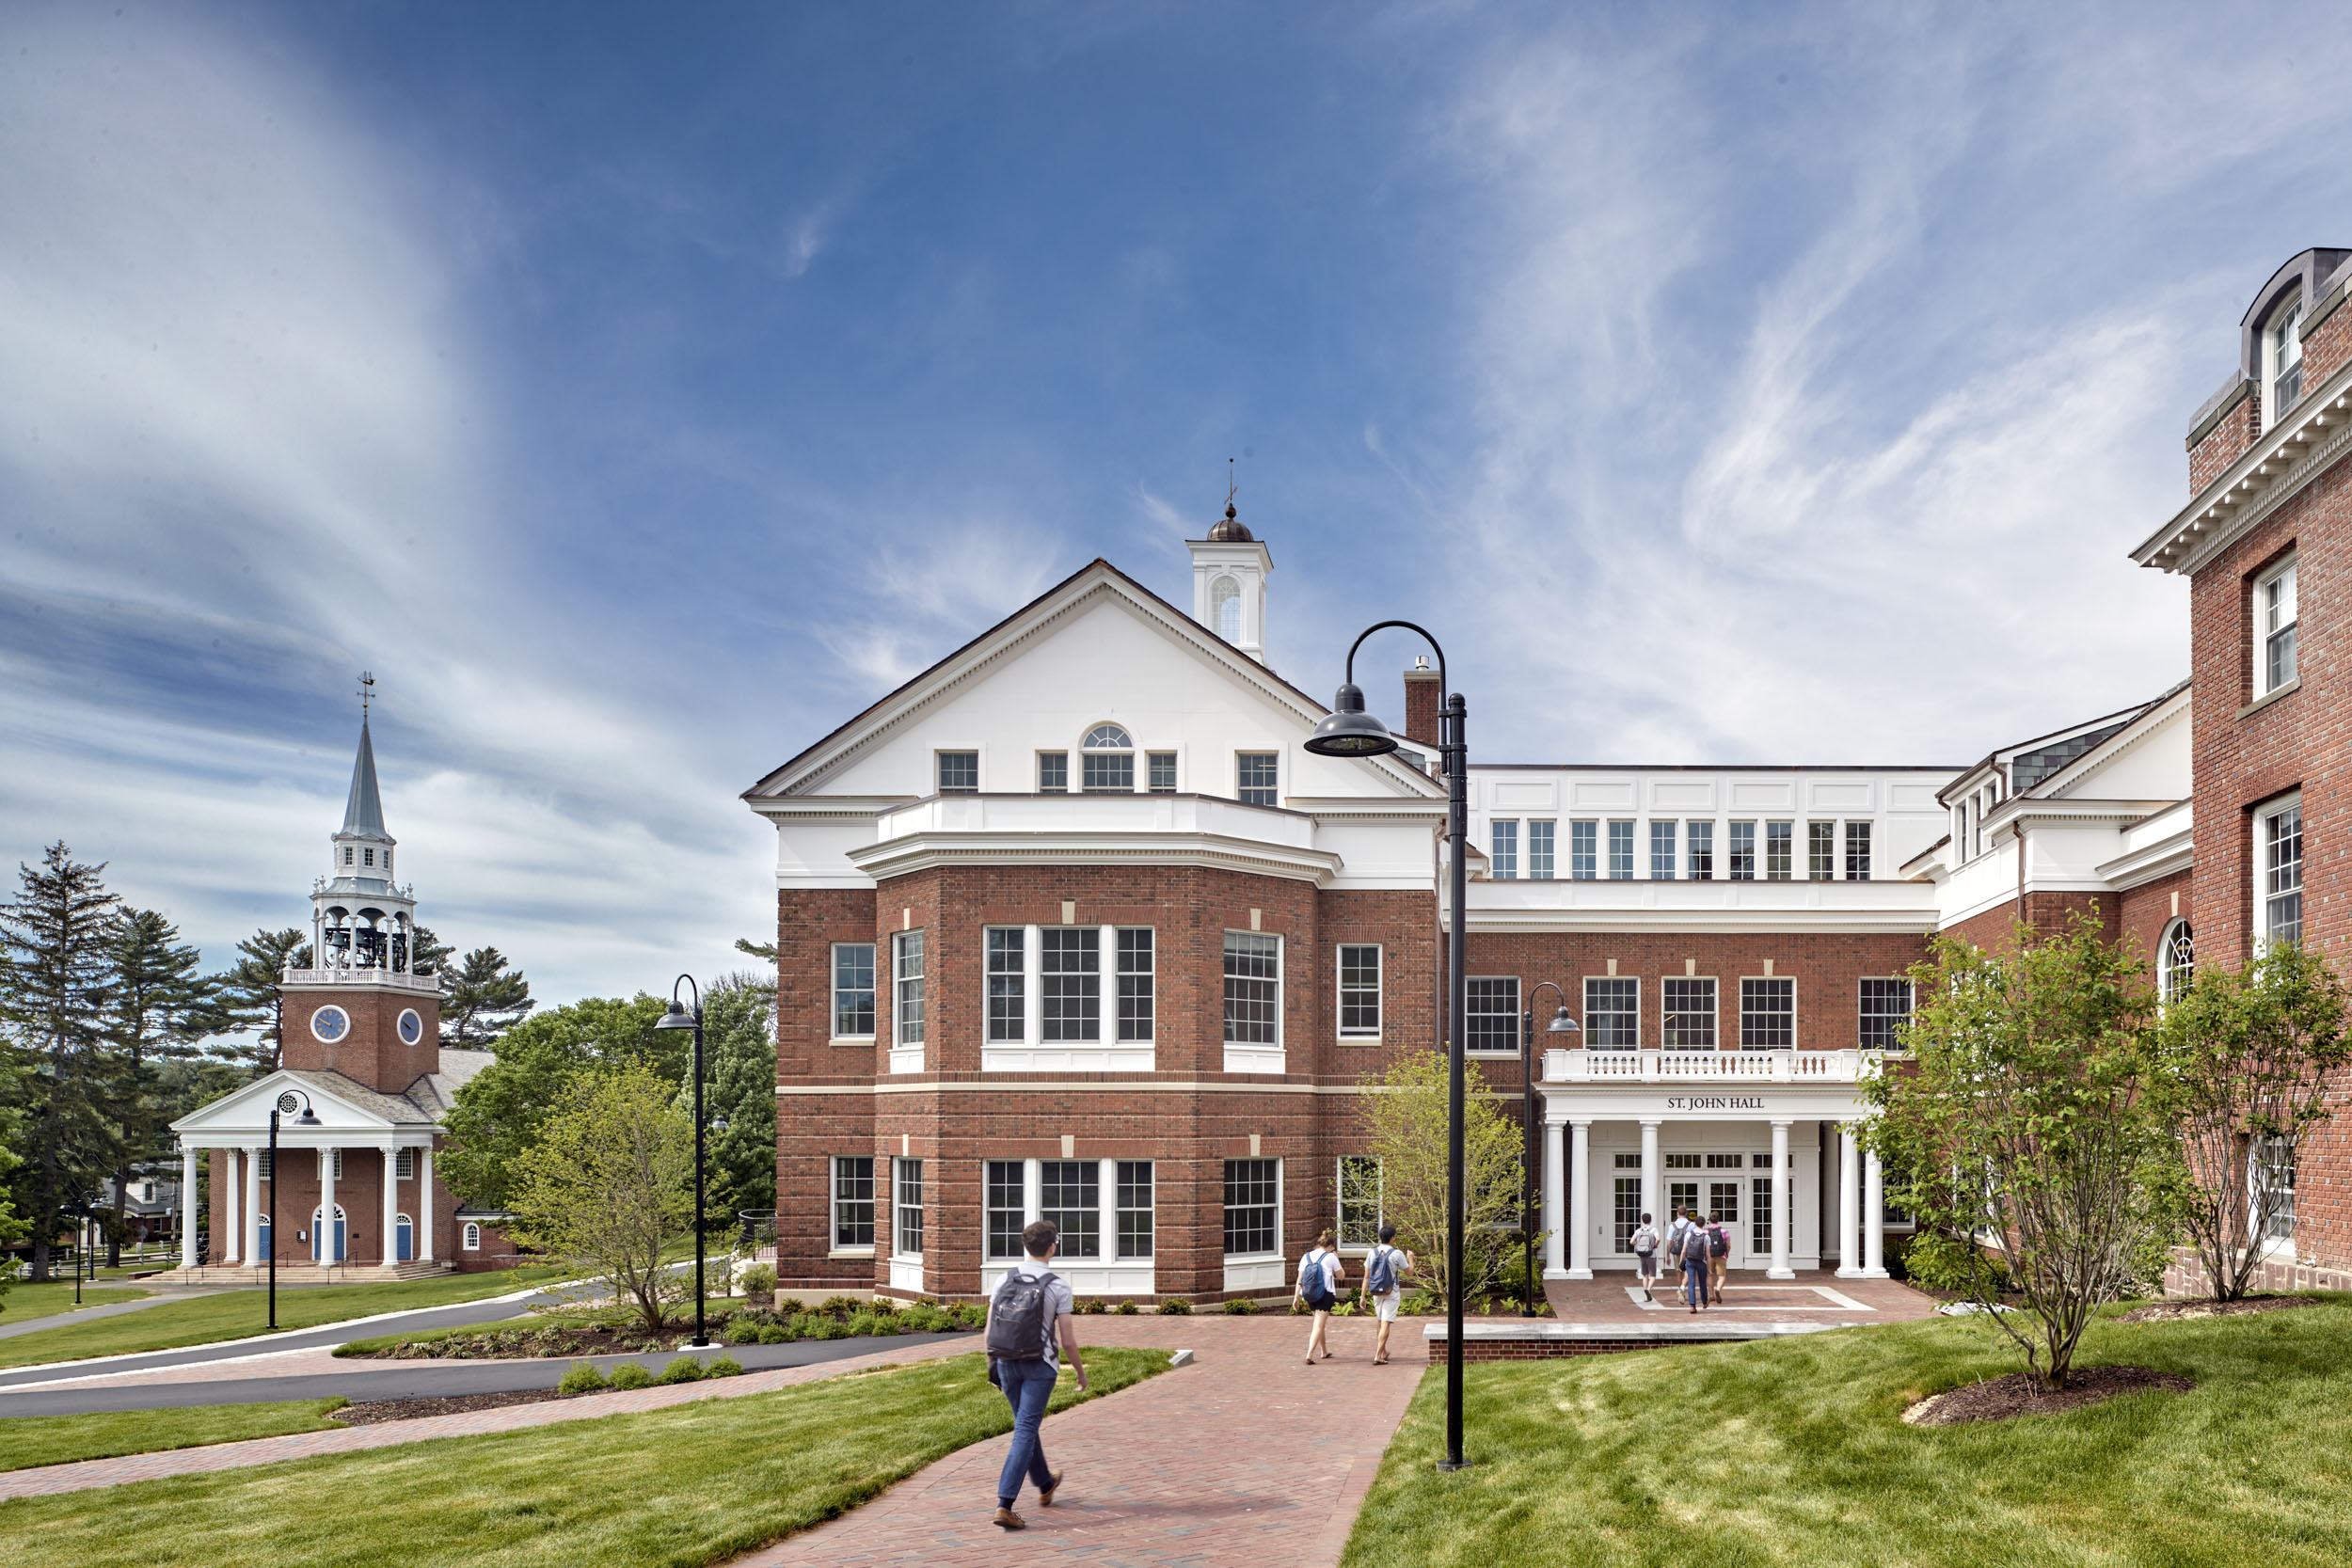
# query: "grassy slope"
x,y
41,1301
1793,1452
29,1440
693,1484
235,1314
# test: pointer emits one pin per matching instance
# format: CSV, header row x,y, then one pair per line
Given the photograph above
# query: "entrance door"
x,y
318,1233
1722,1207
404,1248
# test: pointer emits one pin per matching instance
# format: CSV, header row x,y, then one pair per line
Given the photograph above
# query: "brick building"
x,y
1072,925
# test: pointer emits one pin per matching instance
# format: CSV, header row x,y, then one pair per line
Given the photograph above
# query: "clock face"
x,y
330,1024
411,1026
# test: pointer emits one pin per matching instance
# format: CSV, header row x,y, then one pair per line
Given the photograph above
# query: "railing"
x,y
1594,1065
359,974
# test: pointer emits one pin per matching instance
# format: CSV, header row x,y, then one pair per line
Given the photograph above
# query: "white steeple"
x,y
359,917
1229,572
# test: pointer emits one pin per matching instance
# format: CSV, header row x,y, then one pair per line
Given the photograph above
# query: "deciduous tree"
x,y
1405,1116
498,1112
739,1096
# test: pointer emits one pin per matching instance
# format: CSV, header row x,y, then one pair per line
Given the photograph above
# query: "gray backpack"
x,y
1021,1318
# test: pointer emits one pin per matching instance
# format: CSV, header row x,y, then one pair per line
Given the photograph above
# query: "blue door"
x,y
260,1251
318,1234
404,1246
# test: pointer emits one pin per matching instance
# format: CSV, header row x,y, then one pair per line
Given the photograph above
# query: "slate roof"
x,y
391,1107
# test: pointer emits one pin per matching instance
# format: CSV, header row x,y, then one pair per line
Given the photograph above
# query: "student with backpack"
x,y
1644,1241
1718,1259
1690,1256
1384,1284
1319,1276
1031,1310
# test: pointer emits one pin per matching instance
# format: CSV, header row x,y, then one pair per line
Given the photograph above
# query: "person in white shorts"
x,y
1389,1262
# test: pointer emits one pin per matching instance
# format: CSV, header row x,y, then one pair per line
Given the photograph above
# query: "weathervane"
x,y
367,690
1232,487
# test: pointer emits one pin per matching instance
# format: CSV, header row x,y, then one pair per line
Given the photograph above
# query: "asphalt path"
x,y
87,1314
410,1380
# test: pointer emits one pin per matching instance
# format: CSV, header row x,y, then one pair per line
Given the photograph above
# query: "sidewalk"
x,y
1249,1456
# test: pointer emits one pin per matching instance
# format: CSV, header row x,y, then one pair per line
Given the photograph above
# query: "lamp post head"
x,y
677,1018
1561,1023
1349,731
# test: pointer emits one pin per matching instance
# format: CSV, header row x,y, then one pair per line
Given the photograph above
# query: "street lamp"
x,y
678,1018
285,1102
1349,731
1560,1024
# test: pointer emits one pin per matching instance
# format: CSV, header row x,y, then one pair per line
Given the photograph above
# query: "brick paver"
x,y
1247,1456
1813,1296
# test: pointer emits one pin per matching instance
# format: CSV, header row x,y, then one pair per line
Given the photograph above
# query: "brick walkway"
x,y
1815,1295
1247,1456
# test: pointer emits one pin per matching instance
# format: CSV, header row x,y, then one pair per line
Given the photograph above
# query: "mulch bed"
x,y
2205,1306
370,1412
2019,1394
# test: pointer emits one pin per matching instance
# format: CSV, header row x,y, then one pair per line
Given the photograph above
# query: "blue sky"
x,y
638,391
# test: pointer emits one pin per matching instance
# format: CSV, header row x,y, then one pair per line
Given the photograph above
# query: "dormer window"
x,y
2282,361
2274,628
1108,762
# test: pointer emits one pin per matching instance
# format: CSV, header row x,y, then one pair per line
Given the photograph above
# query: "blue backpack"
x,y
1380,1274
1311,1279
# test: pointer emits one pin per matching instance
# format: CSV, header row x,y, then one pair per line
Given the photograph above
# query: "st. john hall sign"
x,y
1715,1103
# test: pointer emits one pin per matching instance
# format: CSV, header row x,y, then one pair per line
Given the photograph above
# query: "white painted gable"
x,y
342,1106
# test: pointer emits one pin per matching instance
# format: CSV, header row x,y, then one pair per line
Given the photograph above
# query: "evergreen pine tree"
x,y
249,991
162,1008
482,1000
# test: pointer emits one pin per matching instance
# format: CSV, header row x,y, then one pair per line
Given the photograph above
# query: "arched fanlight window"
x,y
1108,759
2176,960
1225,608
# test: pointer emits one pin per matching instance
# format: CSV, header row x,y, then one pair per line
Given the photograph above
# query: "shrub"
x,y
726,1366
1176,1306
583,1379
1090,1304
758,1281
924,1318
1936,1263
1240,1307
841,1307
631,1374
1125,1309
883,1307
743,1333
971,1315
685,1368
777,1334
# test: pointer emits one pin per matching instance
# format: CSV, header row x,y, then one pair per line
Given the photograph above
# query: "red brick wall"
x,y
1422,717
2327,346
2048,913
2144,911
2226,442
372,1053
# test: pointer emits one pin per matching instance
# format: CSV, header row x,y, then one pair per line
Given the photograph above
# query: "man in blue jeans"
x,y
1028,1385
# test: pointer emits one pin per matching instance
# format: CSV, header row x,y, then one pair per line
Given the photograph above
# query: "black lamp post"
x,y
678,1018
285,1101
1349,731
1560,1024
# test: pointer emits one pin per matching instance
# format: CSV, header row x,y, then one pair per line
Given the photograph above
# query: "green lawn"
x,y
41,1301
29,1440
1792,1451
693,1485
235,1314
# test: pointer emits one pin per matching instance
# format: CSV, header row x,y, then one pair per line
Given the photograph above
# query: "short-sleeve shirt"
x,y
1060,1297
1331,1262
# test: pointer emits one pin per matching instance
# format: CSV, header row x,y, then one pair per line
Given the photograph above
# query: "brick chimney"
x,y
1423,720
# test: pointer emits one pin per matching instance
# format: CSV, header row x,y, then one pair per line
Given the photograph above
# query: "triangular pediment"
x,y
343,1104
1097,647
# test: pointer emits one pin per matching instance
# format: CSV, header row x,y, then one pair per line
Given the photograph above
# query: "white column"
x,y
253,1207
391,1249
187,1206
1581,1200
1780,1269
1556,1217
322,1233
232,1228
1873,1218
424,1205
1848,1205
1107,1196
1652,1177
1032,1192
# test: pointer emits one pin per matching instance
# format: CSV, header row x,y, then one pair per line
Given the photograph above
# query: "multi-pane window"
x,y
907,1207
959,772
1743,852
1008,984
1760,1210
1613,1012
1821,852
1360,991
906,995
1070,1195
1106,764
2275,620
1768,1013
1620,851
1006,1208
2176,960
1699,842
1583,850
1494,1015
1255,778
1541,837
1253,989
1503,844
853,990
1886,1004
1161,768
1360,1199
1662,851
1626,1210
1690,1012
2281,833
1857,851
1138,995
2282,362
1070,982
1780,843
1053,772
404,1169
853,1200
2273,1163
1253,1201
1134,1208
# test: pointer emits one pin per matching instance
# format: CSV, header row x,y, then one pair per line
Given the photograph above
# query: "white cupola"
x,y
361,918
1229,572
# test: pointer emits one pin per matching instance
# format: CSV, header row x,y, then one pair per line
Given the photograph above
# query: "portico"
x,y
1750,1137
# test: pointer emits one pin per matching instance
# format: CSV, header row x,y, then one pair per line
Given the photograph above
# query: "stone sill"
x,y
2267,698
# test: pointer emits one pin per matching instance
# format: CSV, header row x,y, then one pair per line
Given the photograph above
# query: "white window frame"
x,y
1714,1017
1695,831
834,1245
1593,981
1614,835
834,990
1869,849
1543,848
1787,871
469,1238
1340,1192
906,1046
1089,750
2282,351
1773,982
1109,1049
939,769
1672,842
2273,1233
404,1165
1257,755
1224,1208
2269,629
1252,1055
2176,956
995,940
1503,860
1357,1032
2269,812
900,1169
1860,991
1584,850
1060,758
1518,1006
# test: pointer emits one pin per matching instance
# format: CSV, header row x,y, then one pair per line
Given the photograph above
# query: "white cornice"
x,y
2123,743
2167,855
1910,920
911,853
2035,809
2276,468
